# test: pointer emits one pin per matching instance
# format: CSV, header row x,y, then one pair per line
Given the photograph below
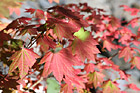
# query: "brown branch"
x,y
113,55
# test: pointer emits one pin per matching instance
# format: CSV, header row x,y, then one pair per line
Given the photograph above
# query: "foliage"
x,y
65,40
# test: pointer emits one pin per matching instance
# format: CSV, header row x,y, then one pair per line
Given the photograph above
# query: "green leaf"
x,y
52,86
81,34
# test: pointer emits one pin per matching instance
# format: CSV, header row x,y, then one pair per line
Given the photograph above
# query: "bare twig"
x,y
36,83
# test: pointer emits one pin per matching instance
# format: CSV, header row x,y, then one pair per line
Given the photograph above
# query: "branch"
x,y
113,56
31,87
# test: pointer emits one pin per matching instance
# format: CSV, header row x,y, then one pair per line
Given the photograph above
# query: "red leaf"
x,y
38,13
75,81
110,64
109,45
64,29
134,11
30,10
59,63
134,87
45,43
85,49
66,88
135,62
23,59
126,35
123,75
18,22
127,53
96,78
89,67
74,17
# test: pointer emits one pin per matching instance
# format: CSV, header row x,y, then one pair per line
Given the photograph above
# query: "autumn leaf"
x,y
109,64
65,88
135,61
110,87
96,78
68,13
15,24
127,53
133,11
109,45
123,75
89,67
60,63
134,87
64,29
23,59
37,13
84,46
45,43
74,17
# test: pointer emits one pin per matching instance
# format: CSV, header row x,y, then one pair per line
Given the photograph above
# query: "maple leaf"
x,y
60,63
37,13
134,22
123,75
109,64
134,87
81,34
28,29
74,17
68,13
72,82
89,67
23,59
65,88
45,43
18,22
108,45
30,10
84,46
134,11
127,53
126,35
96,78
64,29
110,87
135,61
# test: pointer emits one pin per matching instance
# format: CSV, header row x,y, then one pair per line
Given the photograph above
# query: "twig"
x,y
113,56
36,83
